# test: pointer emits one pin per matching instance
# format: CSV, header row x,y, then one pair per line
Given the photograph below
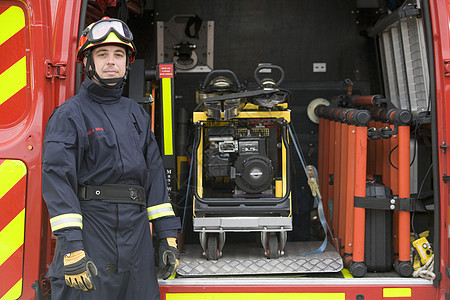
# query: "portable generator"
x,y
241,161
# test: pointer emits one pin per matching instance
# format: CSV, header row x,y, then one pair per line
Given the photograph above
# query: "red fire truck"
x,y
364,86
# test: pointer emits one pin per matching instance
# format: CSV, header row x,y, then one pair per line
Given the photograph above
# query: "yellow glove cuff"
x,y
73,257
172,242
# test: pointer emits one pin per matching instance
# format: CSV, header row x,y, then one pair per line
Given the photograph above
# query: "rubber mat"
x,y
249,259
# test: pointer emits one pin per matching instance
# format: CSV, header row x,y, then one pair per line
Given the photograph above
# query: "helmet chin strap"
x,y
111,83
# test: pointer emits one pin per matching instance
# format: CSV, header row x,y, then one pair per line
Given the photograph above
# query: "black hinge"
x,y
446,178
444,146
446,68
57,70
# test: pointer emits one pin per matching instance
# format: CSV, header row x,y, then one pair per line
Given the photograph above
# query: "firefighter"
x,y
103,181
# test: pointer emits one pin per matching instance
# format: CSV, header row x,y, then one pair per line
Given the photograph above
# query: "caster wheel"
x,y
213,247
273,246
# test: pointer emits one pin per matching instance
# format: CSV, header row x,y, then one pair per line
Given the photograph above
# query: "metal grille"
x,y
255,131
404,63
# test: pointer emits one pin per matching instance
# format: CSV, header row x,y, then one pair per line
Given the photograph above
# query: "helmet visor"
x,y
100,31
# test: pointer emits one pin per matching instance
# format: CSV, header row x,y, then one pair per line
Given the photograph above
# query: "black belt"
x,y
113,193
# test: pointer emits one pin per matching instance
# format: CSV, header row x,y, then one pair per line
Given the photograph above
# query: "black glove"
x,y
78,271
168,257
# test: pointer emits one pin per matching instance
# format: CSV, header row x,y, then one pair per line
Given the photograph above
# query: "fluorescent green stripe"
x,y
161,210
11,21
164,214
167,115
396,292
11,171
13,79
252,296
67,225
66,221
159,206
12,236
14,292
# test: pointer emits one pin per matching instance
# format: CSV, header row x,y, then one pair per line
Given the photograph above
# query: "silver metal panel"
x,y
242,224
404,64
399,65
416,63
389,71
249,259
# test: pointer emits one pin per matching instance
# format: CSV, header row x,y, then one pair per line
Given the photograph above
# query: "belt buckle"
x,y
133,194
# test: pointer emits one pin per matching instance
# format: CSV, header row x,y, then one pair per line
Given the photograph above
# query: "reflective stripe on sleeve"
x,y
66,221
161,210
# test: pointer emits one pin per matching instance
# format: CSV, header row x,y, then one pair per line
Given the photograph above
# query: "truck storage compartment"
x,y
357,83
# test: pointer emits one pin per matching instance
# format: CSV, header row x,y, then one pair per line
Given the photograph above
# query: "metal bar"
x,y
350,187
359,220
404,192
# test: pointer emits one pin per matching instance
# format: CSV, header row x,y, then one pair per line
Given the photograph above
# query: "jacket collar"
x,y
101,94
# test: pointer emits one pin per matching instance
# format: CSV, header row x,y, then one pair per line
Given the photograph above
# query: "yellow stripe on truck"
x,y
252,296
12,21
12,229
13,79
396,292
11,171
14,292
12,236
167,114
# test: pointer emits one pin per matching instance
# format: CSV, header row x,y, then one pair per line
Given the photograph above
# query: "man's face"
x,y
110,61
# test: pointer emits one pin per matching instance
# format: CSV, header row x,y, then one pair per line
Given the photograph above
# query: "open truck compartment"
x,y
304,142
356,80
351,81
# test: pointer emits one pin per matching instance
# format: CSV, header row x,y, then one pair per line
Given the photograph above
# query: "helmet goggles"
x,y
101,30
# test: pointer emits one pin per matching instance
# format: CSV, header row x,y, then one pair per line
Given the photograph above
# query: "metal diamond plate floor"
x,y
249,259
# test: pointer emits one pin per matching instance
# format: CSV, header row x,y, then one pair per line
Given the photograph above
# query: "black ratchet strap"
x,y
113,193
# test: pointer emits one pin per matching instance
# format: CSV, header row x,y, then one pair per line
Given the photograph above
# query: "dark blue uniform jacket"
x,y
98,137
